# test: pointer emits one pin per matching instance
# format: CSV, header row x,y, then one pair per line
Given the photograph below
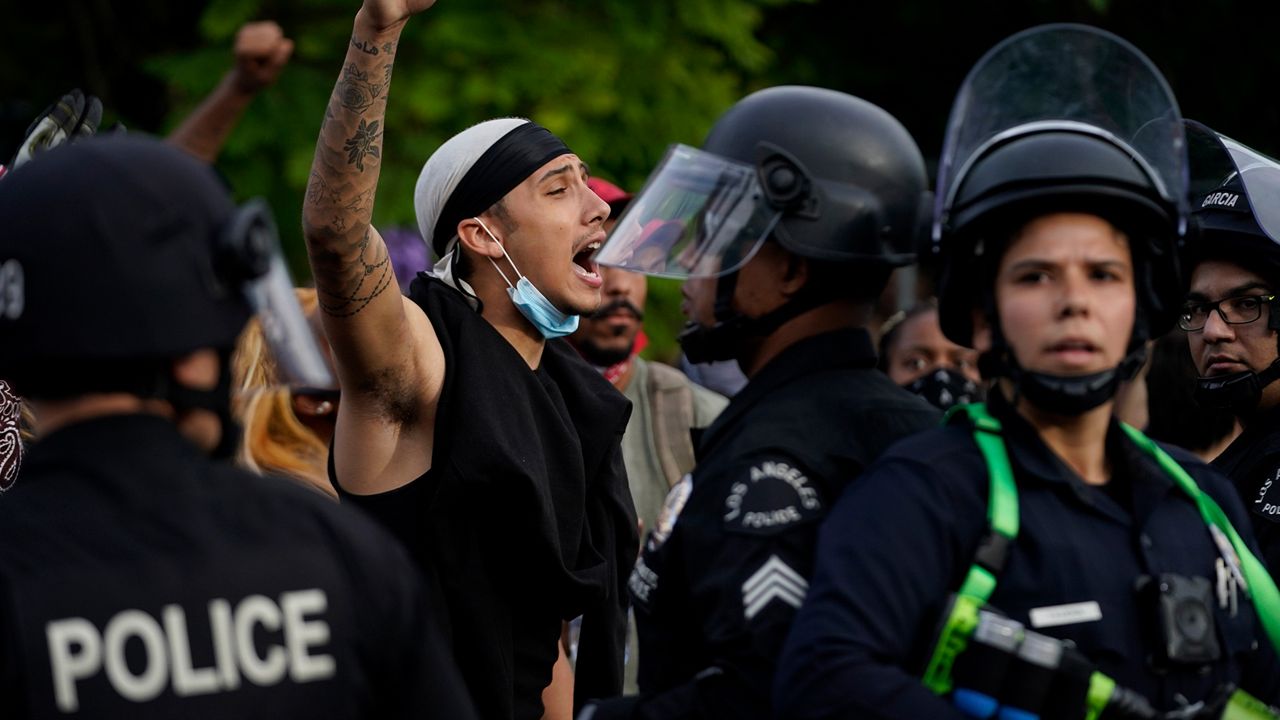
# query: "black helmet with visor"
x,y
828,176
1060,118
1237,216
123,253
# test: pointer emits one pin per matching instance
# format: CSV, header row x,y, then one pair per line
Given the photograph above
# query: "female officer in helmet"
x,y
1034,557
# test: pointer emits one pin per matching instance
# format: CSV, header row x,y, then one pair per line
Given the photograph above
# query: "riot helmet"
x,y
828,176
121,254
1236,213
1060,118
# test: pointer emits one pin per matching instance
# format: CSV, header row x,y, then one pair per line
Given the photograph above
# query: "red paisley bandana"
x,y
618,369
10,438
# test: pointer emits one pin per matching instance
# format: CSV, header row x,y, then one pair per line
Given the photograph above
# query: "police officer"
x,y
786,225
140,577
1231,316
1056,231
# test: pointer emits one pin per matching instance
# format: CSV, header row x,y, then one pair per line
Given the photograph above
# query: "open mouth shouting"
x,y
584,264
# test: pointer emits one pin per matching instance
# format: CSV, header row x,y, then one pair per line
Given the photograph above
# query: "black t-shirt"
x,y
139,579
524,520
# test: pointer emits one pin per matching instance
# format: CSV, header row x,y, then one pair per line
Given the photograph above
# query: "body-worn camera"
x,y
1182,609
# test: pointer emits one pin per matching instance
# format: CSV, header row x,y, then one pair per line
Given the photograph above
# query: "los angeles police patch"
x,y
773,496
1267,500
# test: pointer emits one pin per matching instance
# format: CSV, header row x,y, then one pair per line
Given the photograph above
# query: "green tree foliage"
x,y
619,80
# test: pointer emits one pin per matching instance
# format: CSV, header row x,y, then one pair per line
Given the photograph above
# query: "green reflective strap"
x,y
1002,506
979,583
1261,588
959,627
1243,706
1101,688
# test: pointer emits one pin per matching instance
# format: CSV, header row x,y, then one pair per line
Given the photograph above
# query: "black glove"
x,y
75,116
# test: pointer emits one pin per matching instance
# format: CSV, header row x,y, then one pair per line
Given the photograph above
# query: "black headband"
x,y
503,166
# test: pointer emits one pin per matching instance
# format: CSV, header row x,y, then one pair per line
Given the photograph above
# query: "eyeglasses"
x,y
1238,310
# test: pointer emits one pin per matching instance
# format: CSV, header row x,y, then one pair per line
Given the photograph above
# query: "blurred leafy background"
x,y
618,79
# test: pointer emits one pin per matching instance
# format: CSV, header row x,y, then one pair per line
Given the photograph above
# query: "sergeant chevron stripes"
x,y
774,580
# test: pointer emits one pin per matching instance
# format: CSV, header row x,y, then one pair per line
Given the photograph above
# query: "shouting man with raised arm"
x,y
463,422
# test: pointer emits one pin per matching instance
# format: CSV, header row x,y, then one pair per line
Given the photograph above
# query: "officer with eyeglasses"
x,y
1231,315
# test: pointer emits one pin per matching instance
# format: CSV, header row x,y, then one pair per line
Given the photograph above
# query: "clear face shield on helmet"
x,y
1218,162
1049,89
698,215
1261,177
270,292
1072,78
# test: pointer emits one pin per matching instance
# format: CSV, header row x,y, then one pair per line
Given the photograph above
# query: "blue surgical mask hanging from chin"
x,y
530,301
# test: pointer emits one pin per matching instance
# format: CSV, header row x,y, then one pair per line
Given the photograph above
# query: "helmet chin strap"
x,y
1238,392
217,401
726,339
1068,395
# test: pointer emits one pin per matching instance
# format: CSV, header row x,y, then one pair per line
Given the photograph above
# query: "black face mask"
x,y
1237,392
1073,395
946,388
712,344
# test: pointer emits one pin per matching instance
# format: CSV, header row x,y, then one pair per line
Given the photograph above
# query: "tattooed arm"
x,y
389,360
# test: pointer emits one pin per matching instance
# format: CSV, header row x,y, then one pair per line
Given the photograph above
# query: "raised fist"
x,y
385,14
261,52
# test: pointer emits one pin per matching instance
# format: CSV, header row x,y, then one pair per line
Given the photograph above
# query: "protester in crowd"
x,y
286,429
261,51
1232,314
142,577
483,441
916,355
1036,558
827,191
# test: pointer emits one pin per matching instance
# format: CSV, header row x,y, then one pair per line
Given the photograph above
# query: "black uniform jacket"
x,y
903,538
524,519
715,594
139,579
1252,462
